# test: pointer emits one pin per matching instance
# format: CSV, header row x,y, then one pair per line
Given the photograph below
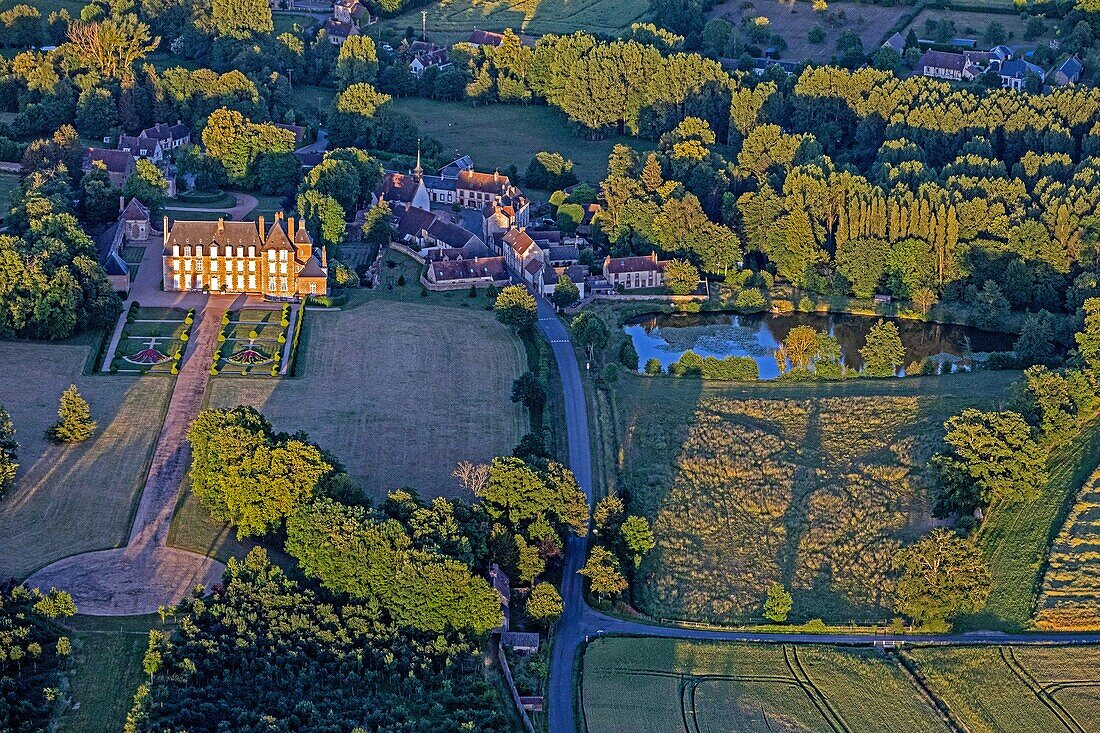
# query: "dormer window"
x,y
186,251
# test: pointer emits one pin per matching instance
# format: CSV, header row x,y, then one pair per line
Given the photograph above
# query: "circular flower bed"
x,y
147,357
249,356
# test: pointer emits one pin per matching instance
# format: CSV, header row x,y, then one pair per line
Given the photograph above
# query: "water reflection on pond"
x,y
665,337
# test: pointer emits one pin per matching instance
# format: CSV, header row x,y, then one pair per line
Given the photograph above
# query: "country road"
x,y
580,622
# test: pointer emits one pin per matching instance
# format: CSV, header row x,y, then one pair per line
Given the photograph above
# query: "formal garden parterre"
x,y
254,342
153,339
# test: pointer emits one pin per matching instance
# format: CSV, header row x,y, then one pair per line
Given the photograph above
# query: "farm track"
x,y
1044,697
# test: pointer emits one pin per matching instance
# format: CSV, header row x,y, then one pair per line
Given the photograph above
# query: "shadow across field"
x,y
70,499
813,486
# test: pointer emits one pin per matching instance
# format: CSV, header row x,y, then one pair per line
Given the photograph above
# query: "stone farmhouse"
x,y
633,273
120,164
157,142
541,259
428,231
279,262
479,272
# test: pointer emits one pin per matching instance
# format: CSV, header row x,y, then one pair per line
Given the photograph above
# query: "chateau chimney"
x,y
121,204
166,226
260,225
496,175
221,224
290,226
302,224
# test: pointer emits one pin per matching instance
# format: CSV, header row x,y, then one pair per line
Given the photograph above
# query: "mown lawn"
x,y
1015,689
106,674
71,499
649,684
813,486
508,134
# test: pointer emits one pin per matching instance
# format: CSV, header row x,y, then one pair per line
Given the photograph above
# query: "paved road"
x,y
579,622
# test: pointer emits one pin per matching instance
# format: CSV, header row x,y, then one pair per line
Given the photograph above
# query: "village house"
x,y
339,31
475,190
896,42
119,164
166,137
400,188
1014,73
456,166
522,642
633,273
506,212
1067,72
425,56
948,65
243,257
479,272
352,11
549,277
489,38
425,230
139,147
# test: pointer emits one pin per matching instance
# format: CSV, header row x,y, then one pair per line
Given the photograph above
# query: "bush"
x,y
750,300
400,281
816,626
653,367
213,371
252,334
185,337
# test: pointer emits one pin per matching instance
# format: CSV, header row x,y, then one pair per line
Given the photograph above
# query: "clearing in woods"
x,y
70,499
674,686
812,486
793,21
452,20
1021,689
519,132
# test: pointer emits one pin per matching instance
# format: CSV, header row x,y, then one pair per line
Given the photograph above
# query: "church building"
x,y
244,257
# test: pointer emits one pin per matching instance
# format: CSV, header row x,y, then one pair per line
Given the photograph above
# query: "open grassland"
x,y
813,486
670,686
71,499
106,674
1018,689
1070,600
512,135
453,20
793,21
400,392
1016,538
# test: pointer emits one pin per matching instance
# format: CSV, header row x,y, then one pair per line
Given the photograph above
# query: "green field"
x,y
71,499
671,686
1017,538
107,672
517,133
1015,689
970,24
452,20
1071,586
9,183
813,486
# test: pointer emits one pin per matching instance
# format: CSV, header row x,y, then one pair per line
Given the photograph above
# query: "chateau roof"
x,y
312,268
236,233
398,187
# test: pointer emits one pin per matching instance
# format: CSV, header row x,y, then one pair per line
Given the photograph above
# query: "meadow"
x,y
1019,689
72,499
517,133
970,24
793,21
667,685
1070,599
812,486
401,392
452,20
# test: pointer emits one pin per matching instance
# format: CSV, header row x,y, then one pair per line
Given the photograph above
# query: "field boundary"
x,y
1044,697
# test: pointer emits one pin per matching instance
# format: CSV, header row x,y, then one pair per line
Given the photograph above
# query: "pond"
x,y
666,336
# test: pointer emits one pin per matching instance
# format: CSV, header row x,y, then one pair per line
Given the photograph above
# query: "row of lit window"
x,y
199,266
187,250
274,284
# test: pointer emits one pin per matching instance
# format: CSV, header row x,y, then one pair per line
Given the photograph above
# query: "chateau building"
x,y
244,257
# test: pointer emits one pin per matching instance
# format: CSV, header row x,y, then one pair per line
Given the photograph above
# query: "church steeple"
x,y
418,171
